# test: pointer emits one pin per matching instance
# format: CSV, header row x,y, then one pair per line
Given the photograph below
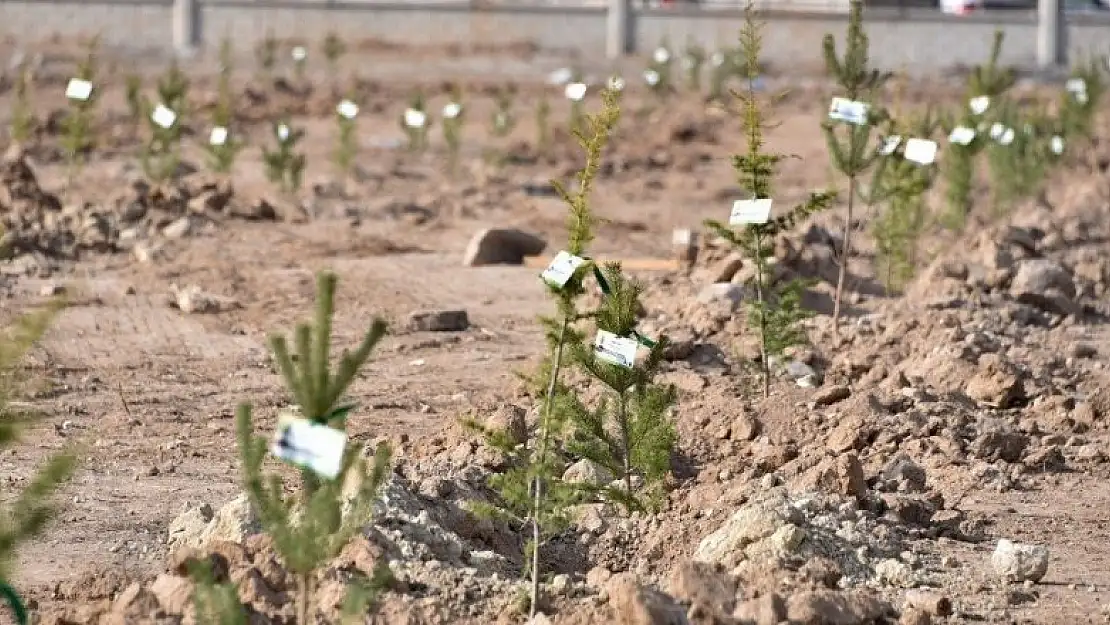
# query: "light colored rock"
x,y
633,604
174,593
455,320
1017,562
831,607
501,246
199,527
752,523
587,472
894,573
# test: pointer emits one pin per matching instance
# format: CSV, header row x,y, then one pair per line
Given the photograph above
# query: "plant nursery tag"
x,y
661,55
920,151
575,91
1057,145
561,76
997,130
1007,137
616,83
415,118
718,59
979,105
451,110
890,144
750,212
962,135
163,116
851,111
682,236
347,109
299,54
651,77
78,89
616,350
561,269
318,448
218,136
1076,85
283,132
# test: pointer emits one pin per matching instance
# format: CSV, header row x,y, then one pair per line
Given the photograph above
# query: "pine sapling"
x,y
310,527
694,63
415,121
1082,96
346,148
720,70
968,132
899,185
659,75
532,492
285,166
453,113
77,126
224,114
160,156
775,313
265,53
502,121
27,513
23,114
299,54
133,94
1019,153
333,49
854,153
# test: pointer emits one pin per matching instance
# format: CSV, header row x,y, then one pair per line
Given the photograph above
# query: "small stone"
x,y
178,228
561,584
501,246
929,601
51,289
830,395
1018,562
588,472
438,321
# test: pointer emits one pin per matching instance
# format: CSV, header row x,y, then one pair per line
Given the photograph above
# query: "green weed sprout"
x,y
284,166
899,185
532,492
415,121
346,149
776,312
967,133
23,114
28,512
453,114
265,53
694,63
77,126
310,527
502,121
850,141
333,49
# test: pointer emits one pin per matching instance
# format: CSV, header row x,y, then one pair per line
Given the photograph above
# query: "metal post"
x,y
1052,34
618,29
186,23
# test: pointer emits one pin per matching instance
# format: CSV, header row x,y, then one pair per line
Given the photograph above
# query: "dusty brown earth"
x,y
972,409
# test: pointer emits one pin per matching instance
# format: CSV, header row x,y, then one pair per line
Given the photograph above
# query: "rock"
x,y
929,601
1044,284
192,299
510,419
841,475
850,434
587,472
179,228
915,616
722,292
829,395
903,470
768,609
438,321
501,246
999,445
198,527
703,587
726,268
996,384
1016,562
751,523
894,572
174,593
133,604
1048,458
830,607
680,345
561,584
633,604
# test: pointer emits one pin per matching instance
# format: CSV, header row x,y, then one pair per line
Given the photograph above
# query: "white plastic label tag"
x,y
718,59
561,269
1007,137
616,83
575,91
997,130
616,350
315,447
979,105
347,109
661,55
962,135
561,76
750,212
1057,144
415,118
851,111
78,89
451,110
651,77
1076,85
682,236
163,116
890,144
920,151
283,132
299,54
218,136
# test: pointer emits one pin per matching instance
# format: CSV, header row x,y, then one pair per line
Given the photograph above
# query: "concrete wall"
x,y
917,40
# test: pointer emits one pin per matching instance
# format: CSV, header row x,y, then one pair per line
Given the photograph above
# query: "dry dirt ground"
x,y
148,390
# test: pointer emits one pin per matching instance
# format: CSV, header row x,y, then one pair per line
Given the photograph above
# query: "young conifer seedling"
x,y
224,114
333,49
968,133
77,126
415,121
659,75
720,70
299,54
23,114
311,526
694,64
776,312
346,149
1020,152
160,156
453,113
850,146
265,53
133,94
1083,93
25,514
285,166
503,121
532,492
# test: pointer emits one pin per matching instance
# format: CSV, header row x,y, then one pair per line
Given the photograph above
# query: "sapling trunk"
x,y
764,358
845,253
